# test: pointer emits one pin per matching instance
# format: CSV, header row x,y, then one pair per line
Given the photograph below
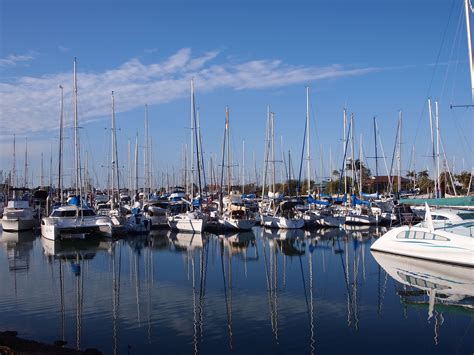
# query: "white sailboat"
x,y
75,220
192,221
18,216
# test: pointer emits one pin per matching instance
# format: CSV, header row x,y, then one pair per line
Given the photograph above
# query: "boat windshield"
x,y
67,213
87,213
466,216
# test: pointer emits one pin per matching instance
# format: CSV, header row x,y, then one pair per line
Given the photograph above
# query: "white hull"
x,y
361,219
73,229
18,224
330,221
439,245
282,222
236,224
183,223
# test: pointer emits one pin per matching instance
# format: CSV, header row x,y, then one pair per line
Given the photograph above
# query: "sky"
x,y
373,57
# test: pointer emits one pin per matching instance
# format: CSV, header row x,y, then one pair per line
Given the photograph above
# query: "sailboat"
x,y
194,220
76,220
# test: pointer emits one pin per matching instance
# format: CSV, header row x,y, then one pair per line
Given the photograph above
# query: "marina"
x,y
194,179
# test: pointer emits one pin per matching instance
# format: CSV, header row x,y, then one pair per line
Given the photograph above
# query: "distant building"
x,y
383,183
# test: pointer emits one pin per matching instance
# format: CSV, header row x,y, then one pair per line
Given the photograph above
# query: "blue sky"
x,y
375,57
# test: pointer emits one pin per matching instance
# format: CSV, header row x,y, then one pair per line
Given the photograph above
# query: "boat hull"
x,y
186,225
438,245
18,224
282,222
236,224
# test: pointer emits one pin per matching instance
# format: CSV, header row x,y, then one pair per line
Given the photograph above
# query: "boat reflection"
x,y
18,246
438,286
186,241
240,243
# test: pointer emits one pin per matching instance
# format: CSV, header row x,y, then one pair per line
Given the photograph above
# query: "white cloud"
x,y
12,60
32,103
64,49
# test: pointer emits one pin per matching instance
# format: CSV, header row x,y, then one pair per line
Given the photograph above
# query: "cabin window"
x,y
438,237
466,216
88,213
440,218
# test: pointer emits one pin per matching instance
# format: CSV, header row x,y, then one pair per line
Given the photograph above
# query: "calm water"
x,y
257,292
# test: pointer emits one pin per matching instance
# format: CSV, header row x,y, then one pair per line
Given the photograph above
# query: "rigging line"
x,y
423,109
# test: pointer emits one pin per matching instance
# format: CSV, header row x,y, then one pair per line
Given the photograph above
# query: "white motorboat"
x,y
452,244
361,215
285,217
18,216
236,220
70,221
445,217
193,222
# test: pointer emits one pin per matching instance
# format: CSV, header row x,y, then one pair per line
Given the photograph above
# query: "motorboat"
x,y
136,222
193,221
71,221
18,216
286,216
157,212
453,244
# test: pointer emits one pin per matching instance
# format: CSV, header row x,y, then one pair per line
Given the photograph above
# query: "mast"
x,y
115,174
352,154
76,134
344,149
196,138
13,182
146,188
26,163
60,155
243,166
272,122
438,191
399,157
136,164
192,139
42,172
433,147
308,147
129,164
360,167
221,201
229,177
467,7
267,143
376,159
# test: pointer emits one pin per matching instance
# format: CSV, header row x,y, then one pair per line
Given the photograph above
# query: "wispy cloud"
x,y
12,60
64,49
32,103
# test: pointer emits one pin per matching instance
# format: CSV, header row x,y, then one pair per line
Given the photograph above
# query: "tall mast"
x,y
433,148
272,122
26,162
42,172
414,167
60,155
136,164
146,188
129,164
196,138
229,177
115,174
221,185
308,146
438,191
13,182
76,133
265,158
376,160
360,167
192,139
344,149
352,154
399,156
243,166
467,6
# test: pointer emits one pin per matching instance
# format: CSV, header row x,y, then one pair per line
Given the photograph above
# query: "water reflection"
x,y
203,293
439,287
18,246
